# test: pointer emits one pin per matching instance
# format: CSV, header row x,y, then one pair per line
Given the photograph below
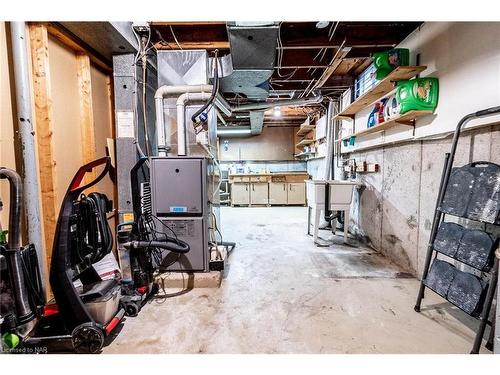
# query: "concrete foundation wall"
x,y
394,210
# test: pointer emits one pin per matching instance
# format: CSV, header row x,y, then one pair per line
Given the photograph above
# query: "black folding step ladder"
x,y
470,192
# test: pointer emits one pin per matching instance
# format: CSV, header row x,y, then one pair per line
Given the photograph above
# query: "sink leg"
x,y
317,214
346,224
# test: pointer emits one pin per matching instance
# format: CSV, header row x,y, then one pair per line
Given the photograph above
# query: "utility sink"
x,y
340,198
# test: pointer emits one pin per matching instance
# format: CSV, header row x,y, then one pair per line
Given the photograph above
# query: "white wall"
x,y
465,56
7,154
274,143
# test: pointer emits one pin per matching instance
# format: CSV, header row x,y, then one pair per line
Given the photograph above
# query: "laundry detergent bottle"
x,y
386,62
420,94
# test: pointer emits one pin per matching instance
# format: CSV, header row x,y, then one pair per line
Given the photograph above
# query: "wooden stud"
x,y
86,112
44,131
72,44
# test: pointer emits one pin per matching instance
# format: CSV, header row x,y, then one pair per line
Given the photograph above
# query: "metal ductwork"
x,y
247,69
256,122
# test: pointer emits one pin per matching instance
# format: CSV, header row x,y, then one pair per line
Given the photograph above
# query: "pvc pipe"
x,y
166,91
27,135
278,103
13,253
181,118
221,103
329,139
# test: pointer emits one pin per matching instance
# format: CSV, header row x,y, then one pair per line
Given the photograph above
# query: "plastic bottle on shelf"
x,y
391,108
385,62
420,94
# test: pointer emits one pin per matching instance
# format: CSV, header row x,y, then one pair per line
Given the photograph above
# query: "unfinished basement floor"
x,y
282,294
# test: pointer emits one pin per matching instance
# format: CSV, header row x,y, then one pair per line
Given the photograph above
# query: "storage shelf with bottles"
x,y
381,89
405,119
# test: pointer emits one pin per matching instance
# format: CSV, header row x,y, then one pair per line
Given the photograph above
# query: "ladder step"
x,y
470,246
464,290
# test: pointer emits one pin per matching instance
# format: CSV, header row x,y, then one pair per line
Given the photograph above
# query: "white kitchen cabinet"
x,y
278,193
240,193
296,193
259,193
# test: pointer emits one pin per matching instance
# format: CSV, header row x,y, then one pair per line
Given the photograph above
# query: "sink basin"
x,y
340,192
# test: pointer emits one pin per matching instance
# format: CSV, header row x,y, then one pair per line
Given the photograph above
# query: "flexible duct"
x,y
13,253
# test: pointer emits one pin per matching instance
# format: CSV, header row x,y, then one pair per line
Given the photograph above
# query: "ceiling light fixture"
x,y
240,131
277,112
322,24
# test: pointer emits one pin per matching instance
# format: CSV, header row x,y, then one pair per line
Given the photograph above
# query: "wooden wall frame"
x,y
44,132
39,33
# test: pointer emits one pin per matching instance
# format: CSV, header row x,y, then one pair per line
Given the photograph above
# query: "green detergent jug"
x,y
420,94
386,62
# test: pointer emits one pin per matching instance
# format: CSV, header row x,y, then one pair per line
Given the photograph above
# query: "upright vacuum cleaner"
x,y
86,309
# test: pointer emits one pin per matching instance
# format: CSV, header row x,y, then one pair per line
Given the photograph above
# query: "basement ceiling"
x,y
307,58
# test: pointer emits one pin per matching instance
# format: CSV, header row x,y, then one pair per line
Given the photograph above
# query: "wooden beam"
x,y
192,45
336,61
44,130
187,23
86,112
74,45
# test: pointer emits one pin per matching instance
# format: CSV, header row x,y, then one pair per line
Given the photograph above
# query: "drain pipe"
x,y
228,110
166,91
181,117
278,103
329,155
27,136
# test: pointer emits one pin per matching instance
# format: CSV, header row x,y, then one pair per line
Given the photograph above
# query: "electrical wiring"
x,y
162,40
175,38
215,89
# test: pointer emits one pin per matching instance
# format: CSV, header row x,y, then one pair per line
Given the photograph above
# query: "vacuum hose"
x,y
179,246
13,250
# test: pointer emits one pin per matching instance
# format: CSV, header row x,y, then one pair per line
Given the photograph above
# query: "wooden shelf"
x,y
304,129
381,89
305,142
407,119
302,154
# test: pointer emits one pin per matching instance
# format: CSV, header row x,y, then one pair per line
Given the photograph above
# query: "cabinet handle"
x,y
253,187
246,187
290,187
284,187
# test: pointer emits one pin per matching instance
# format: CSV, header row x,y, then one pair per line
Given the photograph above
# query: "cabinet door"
x,y
259,193
278,193
296,193
240,193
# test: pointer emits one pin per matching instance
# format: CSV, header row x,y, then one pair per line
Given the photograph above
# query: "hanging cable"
x,y
175,38
215,89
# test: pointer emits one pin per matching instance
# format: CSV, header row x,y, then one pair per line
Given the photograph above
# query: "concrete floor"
x,y
282,294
